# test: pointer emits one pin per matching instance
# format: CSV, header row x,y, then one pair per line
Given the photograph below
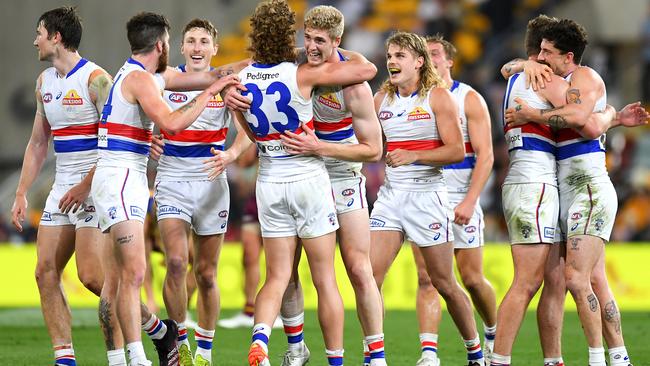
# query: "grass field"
x,y
24,340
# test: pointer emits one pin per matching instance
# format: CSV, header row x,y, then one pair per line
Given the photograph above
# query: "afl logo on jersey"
x,y
348,192
435,226
72,98
470,229
384,115
47,97
223,213
417,114
178,97
576,216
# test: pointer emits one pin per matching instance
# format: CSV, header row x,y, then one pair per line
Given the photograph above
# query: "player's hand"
x,y
222,83
463,212
233,98
400,157
307,143
537,74
74,198
18,211
157,145
215,165
633,115
517,116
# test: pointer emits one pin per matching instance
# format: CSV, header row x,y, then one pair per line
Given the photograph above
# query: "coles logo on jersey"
x,y
417,114
215,102
329,100
384,115
178,98
72,98
47,97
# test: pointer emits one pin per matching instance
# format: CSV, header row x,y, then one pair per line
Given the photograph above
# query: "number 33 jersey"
x,y
278,106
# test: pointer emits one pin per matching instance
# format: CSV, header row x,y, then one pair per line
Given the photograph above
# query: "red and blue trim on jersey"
x,y
468,163
334,131
535,137
194,143
75,138
570,144
276,135
413,145
127,138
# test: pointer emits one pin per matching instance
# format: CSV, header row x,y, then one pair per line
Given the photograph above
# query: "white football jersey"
x,y
457,176
278,106
73,118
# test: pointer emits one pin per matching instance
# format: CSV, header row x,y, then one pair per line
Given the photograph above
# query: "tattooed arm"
x,y
536,74
584,91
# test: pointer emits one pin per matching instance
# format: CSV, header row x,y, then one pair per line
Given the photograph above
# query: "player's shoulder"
x,y
586,73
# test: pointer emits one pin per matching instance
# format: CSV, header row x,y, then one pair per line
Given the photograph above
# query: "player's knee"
x,y
206,277
133,276
424,283
472,282
360,276
91,280
574,279
176,267
46,274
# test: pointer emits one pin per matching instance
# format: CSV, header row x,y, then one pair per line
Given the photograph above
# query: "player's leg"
x,y
429,312
550,310
88,241
354,236
292,314
108,305
438,259
54,247
279,255
470,266
529,263
583,252
612,330
206,258
174,233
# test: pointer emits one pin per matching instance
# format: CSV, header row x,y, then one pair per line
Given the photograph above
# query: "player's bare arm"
x,y
176,80
366,126
216,164
452,150
480,136
585,89
140,87
35,155
537,74
333,74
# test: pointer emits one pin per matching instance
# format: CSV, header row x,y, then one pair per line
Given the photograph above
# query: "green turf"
x,y
24,340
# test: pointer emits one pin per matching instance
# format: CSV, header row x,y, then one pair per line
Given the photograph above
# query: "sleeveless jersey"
x,y
124,129
184,152
457,176
278,106
409,123
333,123
531,146
73,118
581,161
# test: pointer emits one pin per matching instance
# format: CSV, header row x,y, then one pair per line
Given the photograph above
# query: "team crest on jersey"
x,y
329,100
417,114
177,98
215,102
72,98
384,115
47,97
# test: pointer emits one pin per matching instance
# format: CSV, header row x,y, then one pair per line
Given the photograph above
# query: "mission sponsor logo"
x,y
216,102
417,114
177,98
330,100
72,98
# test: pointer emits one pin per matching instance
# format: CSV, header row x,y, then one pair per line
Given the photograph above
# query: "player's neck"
x,y
149,61
408,87
65,61
447,79
569,70
334,57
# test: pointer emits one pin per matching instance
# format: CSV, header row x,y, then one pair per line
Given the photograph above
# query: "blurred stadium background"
x,y
487,33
